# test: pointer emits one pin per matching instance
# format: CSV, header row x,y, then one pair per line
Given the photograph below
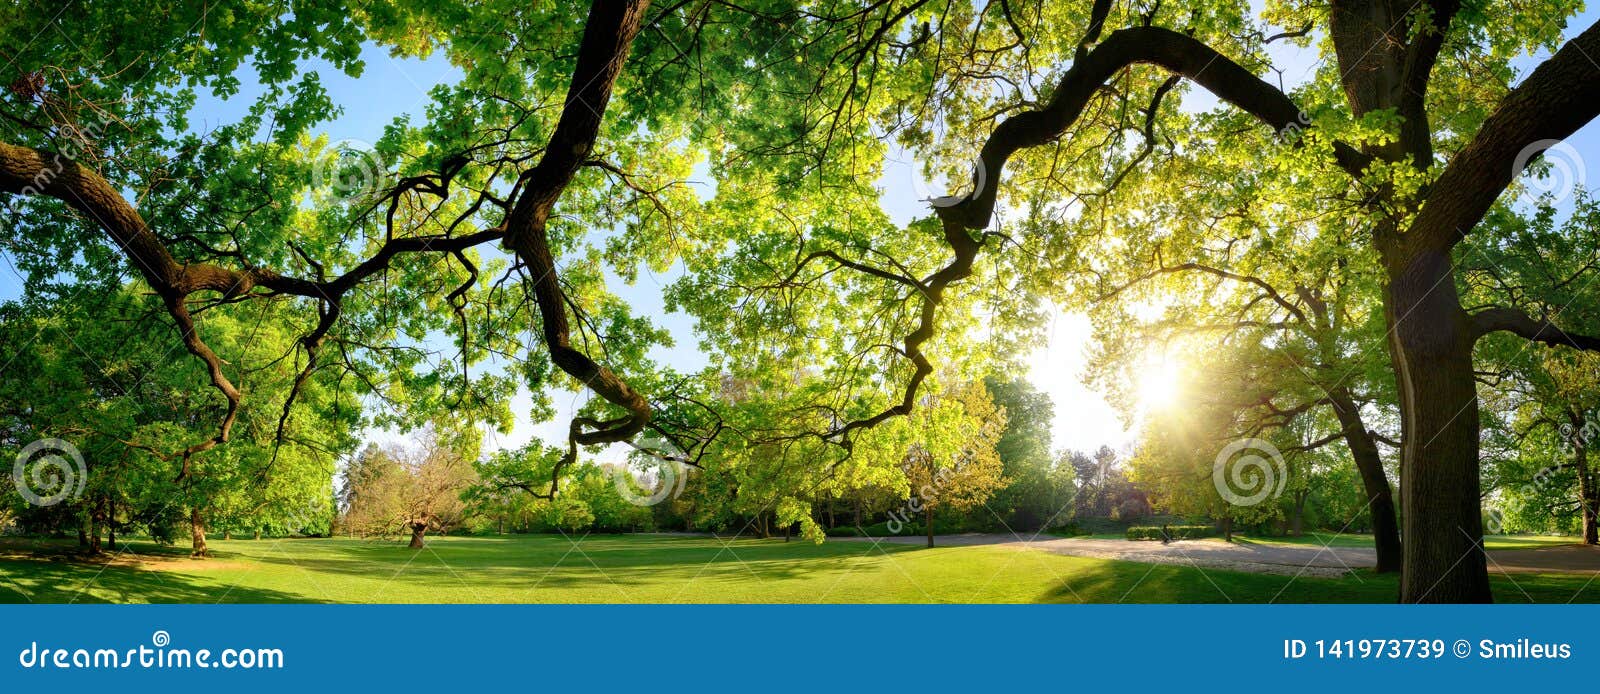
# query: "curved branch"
x,y
29,172
607,38
1179,53
1517,322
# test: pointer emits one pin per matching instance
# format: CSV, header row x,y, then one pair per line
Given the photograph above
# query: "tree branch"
x,y
1517,322
1176,52
1560,96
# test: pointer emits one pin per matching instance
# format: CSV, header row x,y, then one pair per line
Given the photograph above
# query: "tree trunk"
x,y
832,522
83,536
94,530
1374,481
111,535
1587,493
1297,518
1432,338
197,534
786,528
417,530
1227,528
927,515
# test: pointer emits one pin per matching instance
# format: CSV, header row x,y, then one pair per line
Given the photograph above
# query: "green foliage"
x,y
1173,532
589,497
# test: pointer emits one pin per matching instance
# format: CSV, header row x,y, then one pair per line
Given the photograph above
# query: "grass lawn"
x,y
661,569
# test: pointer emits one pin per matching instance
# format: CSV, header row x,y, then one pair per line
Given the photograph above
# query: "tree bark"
x,y
1375,482
928,519
417,531
197,534
1587,493
1432,338
94,529
1297,519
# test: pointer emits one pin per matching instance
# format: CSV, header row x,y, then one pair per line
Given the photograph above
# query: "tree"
x,y
417,489
954,465
1391,144
1031,499
104,384
1548,395
1416,209
1305,310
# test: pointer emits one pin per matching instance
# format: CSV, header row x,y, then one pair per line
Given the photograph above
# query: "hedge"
x,y
1176,532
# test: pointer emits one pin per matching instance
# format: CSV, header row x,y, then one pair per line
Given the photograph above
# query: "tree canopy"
x,y
1353,225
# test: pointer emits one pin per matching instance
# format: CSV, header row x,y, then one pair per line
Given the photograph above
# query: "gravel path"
x,y
1291,560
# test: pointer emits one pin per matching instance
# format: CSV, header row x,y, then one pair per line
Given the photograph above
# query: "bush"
x,y
1176,532
941,526
843,531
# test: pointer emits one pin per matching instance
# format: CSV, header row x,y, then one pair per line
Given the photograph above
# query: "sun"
x,y
1160,383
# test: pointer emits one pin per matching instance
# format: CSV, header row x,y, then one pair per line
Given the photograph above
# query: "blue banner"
x,y
794,648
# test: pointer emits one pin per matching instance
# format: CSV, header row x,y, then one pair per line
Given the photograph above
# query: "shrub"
x,y
1176,532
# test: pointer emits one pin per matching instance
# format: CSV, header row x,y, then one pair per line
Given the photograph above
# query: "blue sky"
x,y
390,87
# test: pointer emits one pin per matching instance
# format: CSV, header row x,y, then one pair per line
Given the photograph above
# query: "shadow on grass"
x,y
74,582
510,563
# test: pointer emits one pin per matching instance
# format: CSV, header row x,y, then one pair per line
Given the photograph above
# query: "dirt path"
x,y
1555,559
1291,560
